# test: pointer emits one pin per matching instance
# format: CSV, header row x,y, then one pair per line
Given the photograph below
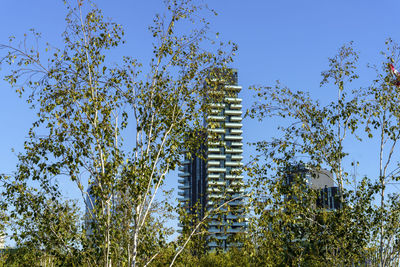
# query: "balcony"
x,y
234,230
236,131
216,156
182,168
236,106
236,203
237,183
211,175
236,171
183,199
236,190
233,87
214,149
211,183
233,137
215,111
216,170
183,187
233,125
238,224
231,217
216,118
212,244
182,193
213,190
217,105
216,130
236,157
213,163
233,163
215,196
214,230
233,112
236,118
216,143
232,100
230,176
185,162
184,174
181,181
234,150
237,144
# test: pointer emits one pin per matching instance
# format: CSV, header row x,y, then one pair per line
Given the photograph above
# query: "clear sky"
x,y
288,41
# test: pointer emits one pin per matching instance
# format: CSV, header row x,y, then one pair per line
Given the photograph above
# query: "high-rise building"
x,y
212,175
319,180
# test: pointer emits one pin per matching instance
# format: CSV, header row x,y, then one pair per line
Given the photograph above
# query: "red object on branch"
x,y
396,75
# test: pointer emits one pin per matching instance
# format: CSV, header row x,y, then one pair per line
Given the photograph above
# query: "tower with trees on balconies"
x,y
211,180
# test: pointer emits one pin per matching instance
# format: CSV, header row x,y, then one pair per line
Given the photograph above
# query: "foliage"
x,y
359,231
87,108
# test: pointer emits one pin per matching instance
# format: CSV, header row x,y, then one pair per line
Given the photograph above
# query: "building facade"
x,y
321,181
211,180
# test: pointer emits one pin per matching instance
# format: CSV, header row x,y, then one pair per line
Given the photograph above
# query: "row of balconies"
x,y
214,128
229,230
234,224
227,163
220,143
229,176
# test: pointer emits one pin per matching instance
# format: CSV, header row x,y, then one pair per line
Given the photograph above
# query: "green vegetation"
x,y
88,109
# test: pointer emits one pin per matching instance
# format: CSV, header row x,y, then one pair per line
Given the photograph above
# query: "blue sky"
x,y
288,41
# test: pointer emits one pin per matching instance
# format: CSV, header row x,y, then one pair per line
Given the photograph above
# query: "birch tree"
x,y
383,123
89,109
